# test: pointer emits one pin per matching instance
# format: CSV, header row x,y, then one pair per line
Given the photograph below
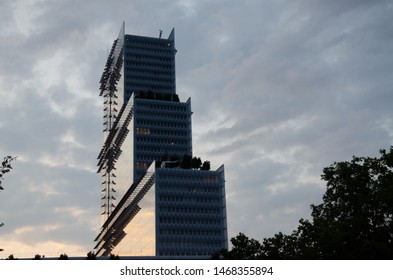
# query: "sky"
x,y
280,89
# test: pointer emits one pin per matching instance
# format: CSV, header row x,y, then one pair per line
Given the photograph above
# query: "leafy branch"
x,y
5,168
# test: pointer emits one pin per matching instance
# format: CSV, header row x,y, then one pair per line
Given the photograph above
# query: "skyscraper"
x,y
154,202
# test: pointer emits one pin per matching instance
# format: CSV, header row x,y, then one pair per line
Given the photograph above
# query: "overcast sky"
x,y
280,89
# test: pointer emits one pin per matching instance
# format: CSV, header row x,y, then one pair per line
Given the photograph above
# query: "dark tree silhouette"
x,y
186,161
196,163
91,256
63,257
11,257
244,248
354,221
206,165
5,168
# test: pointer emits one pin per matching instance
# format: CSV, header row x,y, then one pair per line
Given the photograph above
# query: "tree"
x,y
63,256
91,256
206,165
5,168
196,163
354,220
114,257
186,161
280,246
244,248
10,257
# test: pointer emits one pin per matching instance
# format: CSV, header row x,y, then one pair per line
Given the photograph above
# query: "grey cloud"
x,y
279,90
334,105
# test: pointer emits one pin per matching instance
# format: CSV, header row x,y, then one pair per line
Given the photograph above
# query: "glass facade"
x,y
153,205
140,239
162,132
191,212
134,218
149,65
170,212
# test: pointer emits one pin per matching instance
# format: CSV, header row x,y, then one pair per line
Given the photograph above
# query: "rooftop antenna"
x,y
160,33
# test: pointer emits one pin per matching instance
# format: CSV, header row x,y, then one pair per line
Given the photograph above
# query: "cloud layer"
x,y
279,90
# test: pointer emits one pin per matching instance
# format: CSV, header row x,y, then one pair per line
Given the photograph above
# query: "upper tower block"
x,y
149,66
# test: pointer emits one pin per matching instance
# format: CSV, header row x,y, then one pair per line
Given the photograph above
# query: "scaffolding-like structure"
x,y
109,83
112,232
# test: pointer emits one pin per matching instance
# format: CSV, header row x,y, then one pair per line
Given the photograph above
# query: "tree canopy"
x,y
5,168
354,221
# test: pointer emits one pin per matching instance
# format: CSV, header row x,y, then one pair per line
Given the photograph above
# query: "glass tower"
x,y
149,65
153,202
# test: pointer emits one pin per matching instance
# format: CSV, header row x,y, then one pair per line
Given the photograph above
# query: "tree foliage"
x,y
244,247
185,162
11,257
205,165
354,221
91,256
5,168
196,163
114,257
63,256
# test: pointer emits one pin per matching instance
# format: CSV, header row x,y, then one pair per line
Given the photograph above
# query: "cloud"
x,y
45,248
306,97
279,90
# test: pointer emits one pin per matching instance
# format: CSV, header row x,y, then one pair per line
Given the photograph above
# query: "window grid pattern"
x,y
149,65
162,129
191,212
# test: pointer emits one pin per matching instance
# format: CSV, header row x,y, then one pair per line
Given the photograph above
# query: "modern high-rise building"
x,y
155,202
